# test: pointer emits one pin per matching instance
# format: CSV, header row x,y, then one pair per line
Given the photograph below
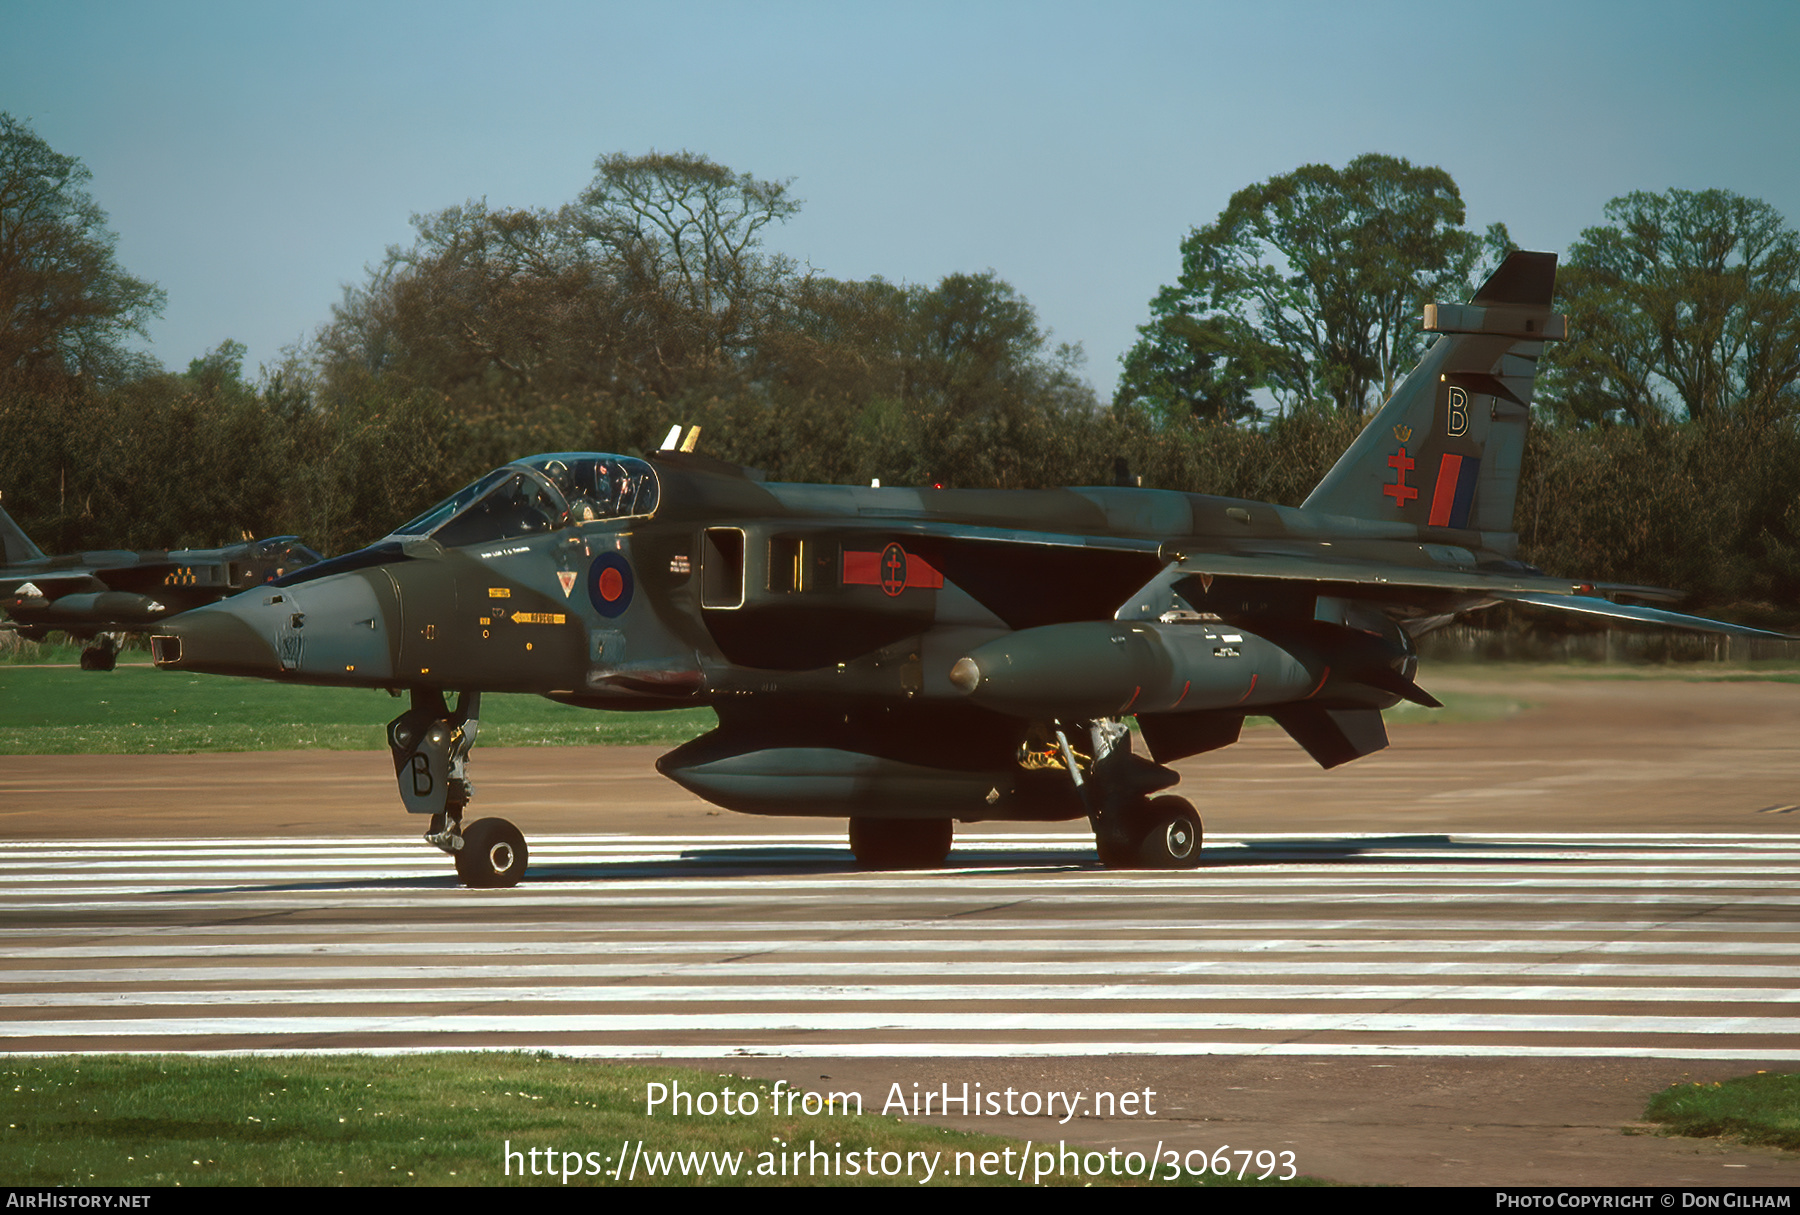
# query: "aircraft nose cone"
x,y
215,639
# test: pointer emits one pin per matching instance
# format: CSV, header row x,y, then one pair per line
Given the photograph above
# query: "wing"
x,y
1233,584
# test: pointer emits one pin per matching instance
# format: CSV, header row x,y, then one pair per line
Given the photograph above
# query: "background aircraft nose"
x,y
218,639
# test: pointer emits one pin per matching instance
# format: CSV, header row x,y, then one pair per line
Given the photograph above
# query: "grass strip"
x,y
138,710
449,1119
1761,1109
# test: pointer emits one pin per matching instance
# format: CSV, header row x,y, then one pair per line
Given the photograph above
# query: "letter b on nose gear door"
x,y
422,762
429,746
423,782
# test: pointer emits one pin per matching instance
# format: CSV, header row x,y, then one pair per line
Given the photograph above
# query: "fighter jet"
x,y
101,596
909,658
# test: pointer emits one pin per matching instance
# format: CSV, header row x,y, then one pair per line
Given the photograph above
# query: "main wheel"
x,y
1162,833
493,854
901,843
1171,834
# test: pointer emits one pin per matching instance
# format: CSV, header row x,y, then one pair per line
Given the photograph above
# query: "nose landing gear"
x,y
431,746
103,653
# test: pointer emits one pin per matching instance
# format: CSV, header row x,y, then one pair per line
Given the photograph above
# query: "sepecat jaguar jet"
x,y
100,596
908,658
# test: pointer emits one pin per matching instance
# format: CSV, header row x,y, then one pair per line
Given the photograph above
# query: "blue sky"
x,y
253,158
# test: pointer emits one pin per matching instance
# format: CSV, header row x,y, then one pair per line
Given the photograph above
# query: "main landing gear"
x,y
430,744
1132,828
1160,833
1136,825
900,843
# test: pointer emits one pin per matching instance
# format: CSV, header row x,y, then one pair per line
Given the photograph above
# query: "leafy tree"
x,y
651,300
491,308
955,384
654,284
66,308
1683,304
1307,285
1206,366
985,389
680,240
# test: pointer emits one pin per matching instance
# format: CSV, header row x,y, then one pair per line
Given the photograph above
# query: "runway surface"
x,y
1638,945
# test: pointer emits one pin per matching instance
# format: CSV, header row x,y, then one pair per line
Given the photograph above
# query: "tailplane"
x,y
1444,451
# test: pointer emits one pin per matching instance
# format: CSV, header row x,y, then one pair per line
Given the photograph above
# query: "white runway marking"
x,y
1455,945
907,993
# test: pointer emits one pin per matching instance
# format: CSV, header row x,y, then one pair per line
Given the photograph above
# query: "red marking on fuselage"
x,y
612,584
912,572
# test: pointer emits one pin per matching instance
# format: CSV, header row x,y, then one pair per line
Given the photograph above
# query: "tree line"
x,y
1663,454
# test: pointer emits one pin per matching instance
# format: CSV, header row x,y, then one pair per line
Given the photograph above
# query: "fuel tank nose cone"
x,y
965,676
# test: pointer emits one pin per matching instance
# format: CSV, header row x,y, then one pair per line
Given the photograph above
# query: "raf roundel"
x,y
610,584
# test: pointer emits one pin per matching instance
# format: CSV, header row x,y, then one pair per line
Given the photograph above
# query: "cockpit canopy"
x,y
540,494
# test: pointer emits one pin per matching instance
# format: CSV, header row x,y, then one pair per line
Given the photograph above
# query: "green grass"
x,y
137,709
14,652
1761,1109
444,1119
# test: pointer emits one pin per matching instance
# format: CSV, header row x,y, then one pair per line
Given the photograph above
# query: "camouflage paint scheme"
x,y
909,657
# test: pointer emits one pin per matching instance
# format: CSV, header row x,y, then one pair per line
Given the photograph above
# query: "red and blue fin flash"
x,y
1455,491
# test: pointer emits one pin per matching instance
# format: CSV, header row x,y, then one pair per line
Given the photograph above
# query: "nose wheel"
x,y
103,654
493,854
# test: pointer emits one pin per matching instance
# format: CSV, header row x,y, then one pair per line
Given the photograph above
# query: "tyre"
x,y
1115,855
493,854
901,843
1172,834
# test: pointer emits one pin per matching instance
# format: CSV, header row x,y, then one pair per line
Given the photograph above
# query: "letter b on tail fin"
x,y
1444,451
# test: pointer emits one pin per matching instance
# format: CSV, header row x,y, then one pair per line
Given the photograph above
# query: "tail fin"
x,y
15,545
1444,451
